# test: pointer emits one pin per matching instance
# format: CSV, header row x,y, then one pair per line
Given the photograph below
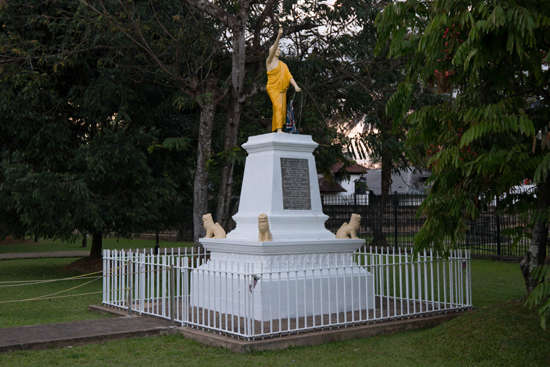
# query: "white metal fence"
x,y
250,301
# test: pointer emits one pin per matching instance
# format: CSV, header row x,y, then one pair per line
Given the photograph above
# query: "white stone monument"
x,y
280,180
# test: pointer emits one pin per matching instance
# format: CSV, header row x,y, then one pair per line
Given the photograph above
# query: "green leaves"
x,y
75,126
540,296
399,103
178,144
541,173
493,119
489,60
496,19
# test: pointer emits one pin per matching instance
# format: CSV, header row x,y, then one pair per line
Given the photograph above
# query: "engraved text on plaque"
x,y
296,189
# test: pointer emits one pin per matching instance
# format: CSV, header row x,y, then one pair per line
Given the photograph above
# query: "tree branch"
x,y
287,31
262,122
160,23
252,90
313,99
214,11
144,45
261,19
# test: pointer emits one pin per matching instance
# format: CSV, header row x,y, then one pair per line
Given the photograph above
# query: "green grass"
x,y
502,332
47,311
496,282
108,244
505,335
505,249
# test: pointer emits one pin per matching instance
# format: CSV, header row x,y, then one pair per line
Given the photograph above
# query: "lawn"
x,y
108,244
502,332
50,310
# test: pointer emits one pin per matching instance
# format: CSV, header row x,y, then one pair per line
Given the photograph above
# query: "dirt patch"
x,y
13,241
85,265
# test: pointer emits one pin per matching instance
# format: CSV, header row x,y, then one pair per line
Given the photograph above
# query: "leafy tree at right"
x,y
490,59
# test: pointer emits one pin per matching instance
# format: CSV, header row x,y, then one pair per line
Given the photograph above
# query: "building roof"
x,y
354,168
326,187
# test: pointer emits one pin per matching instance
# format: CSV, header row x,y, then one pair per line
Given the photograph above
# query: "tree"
x,y
75,131
383,139
490,59
182,50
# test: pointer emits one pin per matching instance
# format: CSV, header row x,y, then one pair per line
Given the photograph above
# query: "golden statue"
x,y
278,80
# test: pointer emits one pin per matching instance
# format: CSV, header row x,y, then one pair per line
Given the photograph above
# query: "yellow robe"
x,y
278,81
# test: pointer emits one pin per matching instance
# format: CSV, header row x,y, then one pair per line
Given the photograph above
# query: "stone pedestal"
x,y
305,269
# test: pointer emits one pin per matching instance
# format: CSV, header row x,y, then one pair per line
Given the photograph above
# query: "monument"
x,y
300,267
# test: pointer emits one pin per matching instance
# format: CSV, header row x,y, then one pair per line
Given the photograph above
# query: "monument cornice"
x,y
281,247
280,142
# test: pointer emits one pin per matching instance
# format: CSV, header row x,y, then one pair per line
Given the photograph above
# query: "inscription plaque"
x,y
296,189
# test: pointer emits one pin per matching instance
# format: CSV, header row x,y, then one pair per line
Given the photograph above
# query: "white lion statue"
x,y
213,230
263,226
350,229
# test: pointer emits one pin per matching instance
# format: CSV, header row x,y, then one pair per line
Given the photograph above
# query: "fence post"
x,y
355,202
498,229
142,282
172,301
129,285
395,203
105,279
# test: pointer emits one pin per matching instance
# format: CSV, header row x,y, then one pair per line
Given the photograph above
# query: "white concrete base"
x,y
289,286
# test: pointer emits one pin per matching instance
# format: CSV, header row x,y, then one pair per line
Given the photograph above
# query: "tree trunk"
x,y
97,244
226,184
378,230
238,73
536,254
204,149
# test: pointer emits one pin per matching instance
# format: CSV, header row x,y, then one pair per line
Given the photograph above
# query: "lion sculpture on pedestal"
x,y
350,229
213,230
263,226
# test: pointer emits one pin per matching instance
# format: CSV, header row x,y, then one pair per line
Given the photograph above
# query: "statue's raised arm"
x,y
278,81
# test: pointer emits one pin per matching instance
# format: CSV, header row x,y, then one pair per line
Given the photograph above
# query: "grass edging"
x,y
316,337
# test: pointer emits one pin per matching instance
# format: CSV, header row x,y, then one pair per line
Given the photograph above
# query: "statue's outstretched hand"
x,y
280,32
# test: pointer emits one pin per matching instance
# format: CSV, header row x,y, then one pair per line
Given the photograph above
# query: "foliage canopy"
x,y
75,129
490,59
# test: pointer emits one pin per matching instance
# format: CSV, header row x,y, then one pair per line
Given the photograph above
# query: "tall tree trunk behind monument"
x,y
97,244
236,101
385,176
204,149
536,254
230,140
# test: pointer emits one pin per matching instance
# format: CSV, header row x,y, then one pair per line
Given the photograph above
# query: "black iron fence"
x,y
397,224
485,235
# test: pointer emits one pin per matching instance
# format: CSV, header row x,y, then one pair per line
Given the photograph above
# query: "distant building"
x,y
342,186
329,189
409,181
